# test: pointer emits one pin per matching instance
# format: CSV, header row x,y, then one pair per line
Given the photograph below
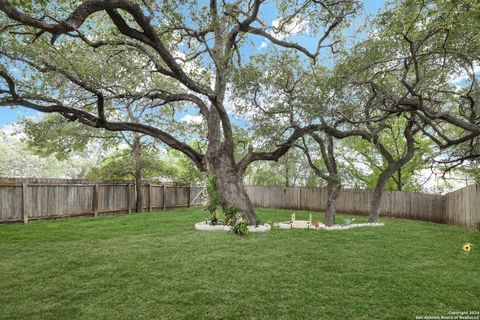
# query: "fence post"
x,y
24,203
95,200
150,197
129,197
189,195
163,197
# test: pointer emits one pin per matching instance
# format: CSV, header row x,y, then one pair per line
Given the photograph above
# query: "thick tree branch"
x,y
73,114
313,166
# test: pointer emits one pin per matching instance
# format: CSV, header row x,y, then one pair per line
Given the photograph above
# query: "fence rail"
x,y
36,199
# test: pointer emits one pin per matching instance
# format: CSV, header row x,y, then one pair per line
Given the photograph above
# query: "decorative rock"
x,y
352,226
202,226
261,228
287,225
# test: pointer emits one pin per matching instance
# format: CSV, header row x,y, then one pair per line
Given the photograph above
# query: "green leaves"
x,y
361,163
54,136
119,165
213,195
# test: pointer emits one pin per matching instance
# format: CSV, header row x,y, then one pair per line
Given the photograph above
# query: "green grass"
x,y
156,266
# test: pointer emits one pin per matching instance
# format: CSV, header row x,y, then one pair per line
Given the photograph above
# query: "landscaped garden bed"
x,y
308,224
206,226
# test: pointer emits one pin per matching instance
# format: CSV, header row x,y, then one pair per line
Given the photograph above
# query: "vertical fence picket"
x,y
24,203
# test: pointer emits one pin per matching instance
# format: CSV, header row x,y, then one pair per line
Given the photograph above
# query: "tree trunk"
x,y
393,166
230,187
378,192
399,180
287,180
333,189
137,156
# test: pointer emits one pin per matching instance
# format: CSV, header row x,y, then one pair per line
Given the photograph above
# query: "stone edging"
x,y
283,225
202,226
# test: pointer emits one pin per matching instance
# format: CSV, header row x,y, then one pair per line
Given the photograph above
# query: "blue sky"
x,y
8,116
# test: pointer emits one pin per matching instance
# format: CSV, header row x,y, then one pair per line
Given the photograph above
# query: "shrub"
x,y
231,215
240,228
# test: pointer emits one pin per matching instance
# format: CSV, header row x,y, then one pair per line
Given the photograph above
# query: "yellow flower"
x,y
467,247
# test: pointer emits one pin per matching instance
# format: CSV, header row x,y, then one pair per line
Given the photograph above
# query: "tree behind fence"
x,y
34,199
461,207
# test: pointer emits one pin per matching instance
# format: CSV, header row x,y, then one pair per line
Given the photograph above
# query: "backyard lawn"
x,y
156,266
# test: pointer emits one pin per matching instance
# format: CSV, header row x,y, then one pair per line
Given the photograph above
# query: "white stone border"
x,y
284,225
353,226
202,226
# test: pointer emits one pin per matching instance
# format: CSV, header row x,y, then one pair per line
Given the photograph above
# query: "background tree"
x,y
365,163
326,101
291,170
52,135
18,160
328,171
180,169
120,165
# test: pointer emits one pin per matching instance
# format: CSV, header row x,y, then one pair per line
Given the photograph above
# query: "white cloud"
x,y
282,30
263,45
191,119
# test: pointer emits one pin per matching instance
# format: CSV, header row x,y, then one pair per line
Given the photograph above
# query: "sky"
x,y
10,116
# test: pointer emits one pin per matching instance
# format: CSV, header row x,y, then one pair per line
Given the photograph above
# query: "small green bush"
x,y
241,228
230,214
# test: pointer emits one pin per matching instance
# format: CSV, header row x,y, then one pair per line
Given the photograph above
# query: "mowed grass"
x,y
156,266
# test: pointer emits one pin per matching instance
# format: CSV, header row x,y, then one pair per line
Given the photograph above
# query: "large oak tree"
x,y
176,54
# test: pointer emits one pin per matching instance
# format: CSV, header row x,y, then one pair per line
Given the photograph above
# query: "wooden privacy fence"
x,y
461,207
35,199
